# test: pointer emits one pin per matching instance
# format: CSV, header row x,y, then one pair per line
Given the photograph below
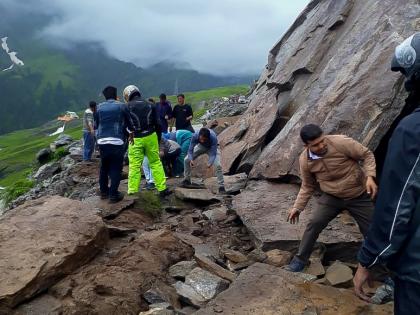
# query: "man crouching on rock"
x,y
204,142
345,170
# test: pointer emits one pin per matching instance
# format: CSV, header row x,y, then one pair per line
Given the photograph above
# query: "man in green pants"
x,y
147,135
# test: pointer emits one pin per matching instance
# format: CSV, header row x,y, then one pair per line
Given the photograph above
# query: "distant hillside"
x,y
57,79
18,149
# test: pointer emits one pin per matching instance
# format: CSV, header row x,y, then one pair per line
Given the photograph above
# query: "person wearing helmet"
x,y
147,134
394,235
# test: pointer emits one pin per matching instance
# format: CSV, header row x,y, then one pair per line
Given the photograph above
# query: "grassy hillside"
x,y
18,149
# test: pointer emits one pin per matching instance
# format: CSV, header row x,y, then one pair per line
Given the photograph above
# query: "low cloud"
x,y
218,36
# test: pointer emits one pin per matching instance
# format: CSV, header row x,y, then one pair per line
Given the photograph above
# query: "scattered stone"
x,y
235,256
154,296
339,274
278,258
159,309
205,283
214,268
199,195
63,140
44,155
233,184
47,171
239,266
189,239
306,277
265,289
189,295
215,215
180,270
257,255
315,267
42,241
67,162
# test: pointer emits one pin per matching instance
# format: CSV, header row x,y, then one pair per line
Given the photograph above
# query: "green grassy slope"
x,y
18,149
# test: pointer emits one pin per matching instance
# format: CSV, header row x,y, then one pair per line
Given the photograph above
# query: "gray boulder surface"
x,y
332,68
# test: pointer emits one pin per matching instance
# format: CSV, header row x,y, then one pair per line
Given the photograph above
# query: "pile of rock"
x,y
225,107
64,175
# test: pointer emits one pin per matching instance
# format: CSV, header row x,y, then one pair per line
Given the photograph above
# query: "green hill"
x,y
56,79
18,149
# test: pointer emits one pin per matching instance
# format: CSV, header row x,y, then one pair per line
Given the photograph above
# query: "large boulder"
x,y
332,68
263,208
42,241
116,280
268,290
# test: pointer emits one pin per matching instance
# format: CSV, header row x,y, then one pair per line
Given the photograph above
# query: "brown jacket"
x,y
341,172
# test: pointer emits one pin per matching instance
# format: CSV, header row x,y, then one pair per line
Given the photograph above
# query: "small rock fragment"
x,y
338,273
278,258
189,295
257,255
214,268
315,268
205,283
234,256
180,270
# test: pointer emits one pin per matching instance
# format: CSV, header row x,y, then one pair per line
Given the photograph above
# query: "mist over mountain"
x,y
56,78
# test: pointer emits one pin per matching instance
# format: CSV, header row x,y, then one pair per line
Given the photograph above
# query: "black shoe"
x,y
150,186
222,190
165,193
104,196
186,183
117,198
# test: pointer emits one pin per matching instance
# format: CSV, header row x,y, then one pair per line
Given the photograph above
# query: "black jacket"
x,y
145,118
394,236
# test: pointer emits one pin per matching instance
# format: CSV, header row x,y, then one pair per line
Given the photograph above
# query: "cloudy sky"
x,y
213,36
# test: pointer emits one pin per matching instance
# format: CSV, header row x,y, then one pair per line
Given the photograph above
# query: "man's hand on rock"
x,y
360,278
293,216
371,187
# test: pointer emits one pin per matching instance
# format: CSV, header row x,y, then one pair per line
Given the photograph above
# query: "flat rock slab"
x,y
268,290
233,184
44,240
205,283
110,210
263,208
200,195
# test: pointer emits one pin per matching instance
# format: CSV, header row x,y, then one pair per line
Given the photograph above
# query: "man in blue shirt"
x,y
112,120
204,142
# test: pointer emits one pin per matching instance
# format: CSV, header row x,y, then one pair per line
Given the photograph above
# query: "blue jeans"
x,y
88,145
112,158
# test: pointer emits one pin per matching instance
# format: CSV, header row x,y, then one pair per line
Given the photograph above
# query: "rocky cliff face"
x,y
332,68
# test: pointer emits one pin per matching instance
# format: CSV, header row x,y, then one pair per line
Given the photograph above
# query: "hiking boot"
x,y
117,198
103,196
186,183
150,186
296,265
222,190
165,193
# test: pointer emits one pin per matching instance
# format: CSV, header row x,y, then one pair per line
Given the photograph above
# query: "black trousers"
x,y
112,158
360,208
406,297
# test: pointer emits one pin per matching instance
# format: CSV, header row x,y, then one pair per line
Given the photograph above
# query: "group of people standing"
x,y
144,129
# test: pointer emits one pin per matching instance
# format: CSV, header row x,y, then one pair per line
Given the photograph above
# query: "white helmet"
x,y
130,90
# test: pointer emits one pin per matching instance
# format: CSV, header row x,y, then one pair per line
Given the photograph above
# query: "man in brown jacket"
x,y
344,170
